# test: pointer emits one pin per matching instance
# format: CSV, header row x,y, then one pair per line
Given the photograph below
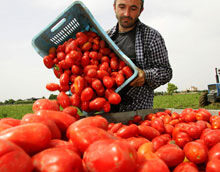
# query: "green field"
x,y
178,101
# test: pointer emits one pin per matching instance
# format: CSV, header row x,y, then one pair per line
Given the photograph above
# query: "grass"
x,y
178,101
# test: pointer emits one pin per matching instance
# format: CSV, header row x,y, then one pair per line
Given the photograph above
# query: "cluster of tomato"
x,y
90,70
50,139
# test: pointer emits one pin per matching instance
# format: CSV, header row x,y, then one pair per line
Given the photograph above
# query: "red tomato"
x,y
33,118
121,64
171,154
62,119
104,66
63,160
203,114
52,87
153,165
107,107
71,110
148,132
127,131
119,79
95,121
56,143
85,106
10,121
72,45
87,94
97,104
116,127
159,141
86,135
85,60
101,74
23,136
110,155
145,152
186,167
210,137
196,152
136,142
168,129
63,99
48,62
92,73
182,138
189,116
75,100
137,119
79,84
86,46
127,71
114,98
213,165
97,84
108,82
13,158
64,79
216,123
105,59
45,104
214,152
158,124
114,63
75,55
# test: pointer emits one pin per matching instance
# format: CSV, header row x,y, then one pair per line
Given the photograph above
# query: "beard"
x,y
127,22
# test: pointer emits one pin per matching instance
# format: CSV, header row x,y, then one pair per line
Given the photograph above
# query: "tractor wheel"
x,y
203,100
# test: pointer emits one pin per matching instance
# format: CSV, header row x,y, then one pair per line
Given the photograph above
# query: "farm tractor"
x,y
213,94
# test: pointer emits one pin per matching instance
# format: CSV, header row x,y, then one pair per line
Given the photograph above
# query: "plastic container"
x,y
76,18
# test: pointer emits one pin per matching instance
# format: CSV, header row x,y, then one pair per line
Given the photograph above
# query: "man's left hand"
x,y
140,80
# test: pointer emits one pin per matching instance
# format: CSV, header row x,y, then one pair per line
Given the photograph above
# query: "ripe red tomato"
x,y
171,154
196,152
108,82
79,84
97,84
213,165
63,99
86,135
214,152
63,160
71,110
186,166
33,118
87,94
182,138
97,104
127,71
158,124
52,86
110,155
148,132
101,74
153,165
48,62
23,136
119,79
75,100
127,131
210,137
13,158
114,98
62,119
45,104
136,142
64,79
159,141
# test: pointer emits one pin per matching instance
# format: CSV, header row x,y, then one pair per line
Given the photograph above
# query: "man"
x,y
146,48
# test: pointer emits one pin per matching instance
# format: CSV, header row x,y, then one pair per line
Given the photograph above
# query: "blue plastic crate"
x,y
76,18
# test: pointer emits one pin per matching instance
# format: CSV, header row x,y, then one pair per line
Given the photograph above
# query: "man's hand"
x,y
140,80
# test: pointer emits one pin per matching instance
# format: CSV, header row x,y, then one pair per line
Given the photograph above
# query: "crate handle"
x,y
59,24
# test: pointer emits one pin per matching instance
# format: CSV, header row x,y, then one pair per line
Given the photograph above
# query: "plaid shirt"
x,y
152,58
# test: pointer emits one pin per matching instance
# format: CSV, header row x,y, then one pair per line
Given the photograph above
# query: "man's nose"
x,y
127,12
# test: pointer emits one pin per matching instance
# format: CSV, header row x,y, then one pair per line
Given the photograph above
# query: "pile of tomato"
x,y
54,140
89,69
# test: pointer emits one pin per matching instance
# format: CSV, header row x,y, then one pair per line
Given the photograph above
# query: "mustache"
x,y
126,17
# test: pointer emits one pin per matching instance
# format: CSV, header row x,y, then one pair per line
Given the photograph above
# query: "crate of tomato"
x,y
87,62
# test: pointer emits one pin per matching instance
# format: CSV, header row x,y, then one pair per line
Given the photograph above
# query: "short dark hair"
x,y
142,4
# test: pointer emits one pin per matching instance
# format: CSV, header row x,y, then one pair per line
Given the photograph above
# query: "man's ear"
x,y
114,6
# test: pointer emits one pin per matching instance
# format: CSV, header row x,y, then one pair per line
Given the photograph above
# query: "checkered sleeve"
x,y
160,71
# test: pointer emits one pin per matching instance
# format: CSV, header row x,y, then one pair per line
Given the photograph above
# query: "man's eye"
x,y
133,8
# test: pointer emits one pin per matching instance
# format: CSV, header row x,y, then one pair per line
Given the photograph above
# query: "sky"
x,y
190,28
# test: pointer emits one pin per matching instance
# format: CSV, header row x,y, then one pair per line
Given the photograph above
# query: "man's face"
x,y
127,12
